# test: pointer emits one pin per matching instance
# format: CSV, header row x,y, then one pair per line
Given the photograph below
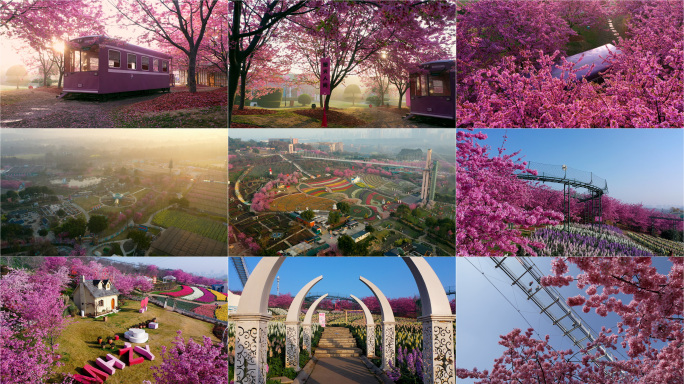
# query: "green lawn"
x,y
78,343
205,227
592,38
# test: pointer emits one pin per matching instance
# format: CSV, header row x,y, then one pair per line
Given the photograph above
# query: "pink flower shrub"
x,y
183,292
208,296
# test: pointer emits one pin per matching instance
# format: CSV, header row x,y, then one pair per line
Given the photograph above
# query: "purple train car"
x,y
433,90
102,65
599,57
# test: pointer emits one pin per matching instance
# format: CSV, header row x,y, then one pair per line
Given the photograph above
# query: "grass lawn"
x,y
87,202
210,117
593,38
78,343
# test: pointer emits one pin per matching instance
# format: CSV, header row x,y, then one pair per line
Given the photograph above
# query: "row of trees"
x,y
384,39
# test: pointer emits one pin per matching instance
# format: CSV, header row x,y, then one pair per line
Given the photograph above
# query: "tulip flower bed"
x,y
196,294
208,310
219,296
221,312
581,240
661,247
208,297
184,291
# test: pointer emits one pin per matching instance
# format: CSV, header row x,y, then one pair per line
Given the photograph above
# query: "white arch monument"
x,y
306,324
251,324
292,326
370,328
389,347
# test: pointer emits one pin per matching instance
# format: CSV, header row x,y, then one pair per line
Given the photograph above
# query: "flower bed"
x,y
196,294
222,312
208,297
219,296
583,241
183,292
206,310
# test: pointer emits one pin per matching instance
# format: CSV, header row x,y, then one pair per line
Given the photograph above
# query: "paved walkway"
x,y
341,370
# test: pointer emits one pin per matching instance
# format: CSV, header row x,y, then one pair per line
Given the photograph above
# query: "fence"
x,y
178,310
205,77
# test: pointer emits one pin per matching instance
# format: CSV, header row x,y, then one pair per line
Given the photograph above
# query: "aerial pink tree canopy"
x,y
505,62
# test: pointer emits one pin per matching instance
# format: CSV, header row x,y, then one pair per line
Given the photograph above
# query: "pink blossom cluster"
x,y
188,362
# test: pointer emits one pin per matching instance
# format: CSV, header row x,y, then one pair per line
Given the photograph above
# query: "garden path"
x,y
338,360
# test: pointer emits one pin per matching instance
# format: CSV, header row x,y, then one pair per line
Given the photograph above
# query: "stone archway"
x,y
251,324
306,324
370,328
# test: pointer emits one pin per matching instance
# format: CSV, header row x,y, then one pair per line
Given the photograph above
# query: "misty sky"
x,y
216,267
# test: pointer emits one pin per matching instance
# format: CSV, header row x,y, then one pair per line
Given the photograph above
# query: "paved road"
x,y
341,370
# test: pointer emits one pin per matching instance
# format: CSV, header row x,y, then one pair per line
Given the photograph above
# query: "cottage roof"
x,y
91,285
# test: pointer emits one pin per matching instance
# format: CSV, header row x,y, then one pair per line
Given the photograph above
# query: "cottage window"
x,y
100,303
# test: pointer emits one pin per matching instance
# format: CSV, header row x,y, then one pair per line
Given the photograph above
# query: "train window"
x,y
416,85
438,83
165,66
145,66
155,65
75,61
132,61
114,59
423,85
90,58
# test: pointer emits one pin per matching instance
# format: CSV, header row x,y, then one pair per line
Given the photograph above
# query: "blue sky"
x,y
341,275
641,165
216,267
483,314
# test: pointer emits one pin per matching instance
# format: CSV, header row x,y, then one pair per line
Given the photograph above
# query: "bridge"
x,y
570,177
526,276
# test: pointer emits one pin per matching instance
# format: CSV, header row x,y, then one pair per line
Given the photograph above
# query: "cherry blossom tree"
x,y
490,201
182,24
650,328
243,38
189,362
30,323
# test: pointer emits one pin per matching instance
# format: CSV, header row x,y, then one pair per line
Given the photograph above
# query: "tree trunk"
x,y
401,96
243,84
192,63
59,83
327,101
45,77
233,77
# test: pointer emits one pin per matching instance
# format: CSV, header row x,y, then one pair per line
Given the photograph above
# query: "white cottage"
x,y
94,297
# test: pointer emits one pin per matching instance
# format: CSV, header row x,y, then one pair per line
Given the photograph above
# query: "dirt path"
x,y
38,109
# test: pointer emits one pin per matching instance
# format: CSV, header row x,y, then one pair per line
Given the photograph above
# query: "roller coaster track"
x,y
549,301
570,177
241,269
